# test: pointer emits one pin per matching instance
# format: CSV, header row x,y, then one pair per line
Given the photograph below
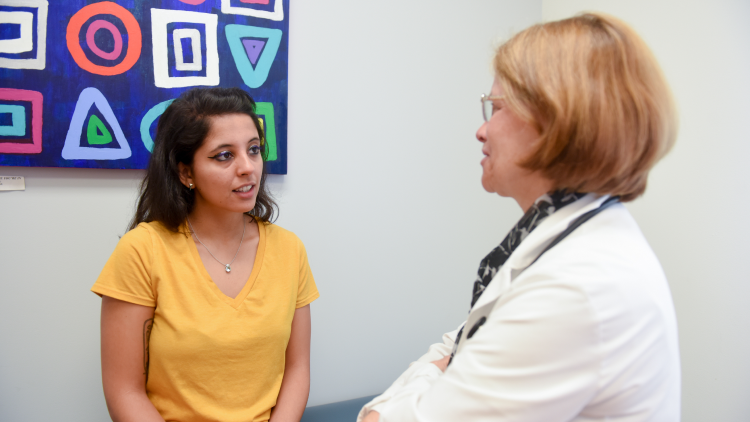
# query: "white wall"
x,y
694,212
383,188
385,181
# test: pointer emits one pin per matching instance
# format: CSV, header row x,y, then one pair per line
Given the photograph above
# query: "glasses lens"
x,y
487,109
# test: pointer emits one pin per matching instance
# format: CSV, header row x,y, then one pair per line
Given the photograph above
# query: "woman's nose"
x,y
245,164
482,133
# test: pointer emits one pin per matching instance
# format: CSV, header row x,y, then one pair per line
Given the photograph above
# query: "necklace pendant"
x,y
228,268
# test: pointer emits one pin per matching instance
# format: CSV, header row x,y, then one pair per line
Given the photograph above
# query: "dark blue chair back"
x,y
342,411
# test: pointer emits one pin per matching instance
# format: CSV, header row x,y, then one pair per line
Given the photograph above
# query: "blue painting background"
x,y
132,93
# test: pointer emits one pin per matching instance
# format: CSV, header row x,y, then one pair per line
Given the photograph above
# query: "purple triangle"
x,y
253,49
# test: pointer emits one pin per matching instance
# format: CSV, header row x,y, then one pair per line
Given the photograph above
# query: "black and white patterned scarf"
x,y
545,206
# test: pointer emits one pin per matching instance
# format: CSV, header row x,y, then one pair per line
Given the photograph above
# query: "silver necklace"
x,y
226,266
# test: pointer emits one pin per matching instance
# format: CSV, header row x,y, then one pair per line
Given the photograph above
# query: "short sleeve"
x,y
307,291
127,274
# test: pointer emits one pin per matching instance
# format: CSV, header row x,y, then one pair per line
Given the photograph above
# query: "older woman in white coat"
x,y
571,316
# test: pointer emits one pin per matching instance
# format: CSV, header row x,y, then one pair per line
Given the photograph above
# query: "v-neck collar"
x,y
242,295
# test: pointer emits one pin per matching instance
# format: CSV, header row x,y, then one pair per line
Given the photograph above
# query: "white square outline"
x,y
195,43
40,61
23,43
276,15
160,18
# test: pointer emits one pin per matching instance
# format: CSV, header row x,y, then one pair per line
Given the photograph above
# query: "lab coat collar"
x,y
534,244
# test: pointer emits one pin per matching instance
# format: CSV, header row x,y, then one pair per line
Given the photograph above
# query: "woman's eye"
x,y
254,150
222,156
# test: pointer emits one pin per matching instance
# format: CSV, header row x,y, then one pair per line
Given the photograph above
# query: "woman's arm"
x,y
295,387
436,353
537,358
125,331
442,364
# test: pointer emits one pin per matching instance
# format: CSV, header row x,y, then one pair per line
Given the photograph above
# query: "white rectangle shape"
x,y
12,183
160,18
40,61
195,43
23,43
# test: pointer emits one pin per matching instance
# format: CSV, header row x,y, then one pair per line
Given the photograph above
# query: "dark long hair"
x,y
180,132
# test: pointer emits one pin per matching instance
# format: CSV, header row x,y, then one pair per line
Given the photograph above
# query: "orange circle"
x,y
131,26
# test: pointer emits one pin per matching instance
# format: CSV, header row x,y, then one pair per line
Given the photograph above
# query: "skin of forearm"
x,y
132,407
295,389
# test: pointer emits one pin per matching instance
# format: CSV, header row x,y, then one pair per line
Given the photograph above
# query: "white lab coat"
x,y
586,333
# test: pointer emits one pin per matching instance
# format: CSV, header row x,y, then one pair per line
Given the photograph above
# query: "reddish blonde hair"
x,y
598,99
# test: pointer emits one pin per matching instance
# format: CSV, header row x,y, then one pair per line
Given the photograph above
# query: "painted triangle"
x,y
72,150
96,132
253,48
253,74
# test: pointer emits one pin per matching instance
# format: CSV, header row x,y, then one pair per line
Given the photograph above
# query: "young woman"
x,y
205,303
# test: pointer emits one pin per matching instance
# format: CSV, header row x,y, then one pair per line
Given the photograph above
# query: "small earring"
x,y
190,186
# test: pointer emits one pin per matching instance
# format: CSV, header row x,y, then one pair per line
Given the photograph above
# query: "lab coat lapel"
x,y
522,257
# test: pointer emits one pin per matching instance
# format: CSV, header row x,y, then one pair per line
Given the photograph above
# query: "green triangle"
x,y
96,132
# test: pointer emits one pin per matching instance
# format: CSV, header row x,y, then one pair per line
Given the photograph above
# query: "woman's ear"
x,y
186,175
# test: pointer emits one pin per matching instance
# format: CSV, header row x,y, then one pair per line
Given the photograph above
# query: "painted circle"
x,y
148,119
104,8
193,2
102,24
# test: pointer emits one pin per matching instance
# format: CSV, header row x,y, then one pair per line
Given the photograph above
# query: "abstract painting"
x,y
83,83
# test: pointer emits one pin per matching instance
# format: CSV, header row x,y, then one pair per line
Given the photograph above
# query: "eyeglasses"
x,y
487,106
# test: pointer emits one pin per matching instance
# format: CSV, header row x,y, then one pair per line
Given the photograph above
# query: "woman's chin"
x,y
487,185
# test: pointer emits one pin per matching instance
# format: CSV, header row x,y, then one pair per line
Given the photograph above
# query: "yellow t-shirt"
x,y
212,358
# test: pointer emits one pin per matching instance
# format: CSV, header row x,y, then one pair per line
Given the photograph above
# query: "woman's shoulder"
x,y
610,263
279,234
606,257
144,234
613,234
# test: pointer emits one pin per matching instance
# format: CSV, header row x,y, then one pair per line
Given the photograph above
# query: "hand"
x,y
373,416
442,363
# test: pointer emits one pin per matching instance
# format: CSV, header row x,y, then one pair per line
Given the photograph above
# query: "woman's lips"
x,y
246,191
